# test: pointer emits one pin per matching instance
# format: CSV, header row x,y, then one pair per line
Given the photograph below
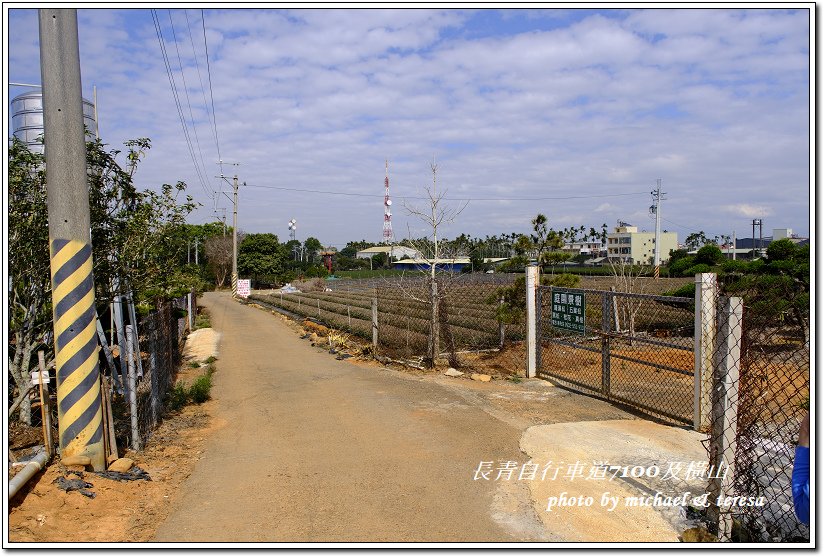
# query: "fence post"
x,y
706,293
532,273
501,327
725,414
136,337
374,325
132,386
608,303
189,311
151,326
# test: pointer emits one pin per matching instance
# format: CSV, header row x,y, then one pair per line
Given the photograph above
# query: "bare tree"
x,y
434,216
219,254
629,278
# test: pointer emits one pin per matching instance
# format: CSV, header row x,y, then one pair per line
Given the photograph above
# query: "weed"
x,y
514,378
178,397
200,390
211,360
202,320
193,364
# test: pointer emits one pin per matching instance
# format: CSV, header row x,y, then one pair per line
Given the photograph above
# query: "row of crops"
x,y
467,320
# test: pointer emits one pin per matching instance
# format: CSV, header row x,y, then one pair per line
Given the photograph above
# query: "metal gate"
x,y
636,349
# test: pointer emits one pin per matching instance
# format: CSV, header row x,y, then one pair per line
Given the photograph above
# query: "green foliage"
x,y
511,300
686,291
680,266
776,290
695,269
137,239
211,360
260,257
316,271
201,388
203,321
178,397
710,254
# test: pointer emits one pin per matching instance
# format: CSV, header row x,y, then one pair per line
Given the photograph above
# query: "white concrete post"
x,y
706,293
725,412
136,445
375,325
532,273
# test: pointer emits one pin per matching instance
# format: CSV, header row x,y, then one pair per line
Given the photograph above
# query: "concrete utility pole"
x,y
657,209
234,241
78,377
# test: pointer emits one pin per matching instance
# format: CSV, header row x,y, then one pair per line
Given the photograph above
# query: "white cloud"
x,y
714,102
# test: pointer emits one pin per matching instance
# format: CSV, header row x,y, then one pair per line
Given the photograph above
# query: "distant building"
x,y
639,247
744,247
449,265
583,248
397,252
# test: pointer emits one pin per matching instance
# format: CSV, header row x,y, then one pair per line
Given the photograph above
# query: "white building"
x,y
639,247
397,252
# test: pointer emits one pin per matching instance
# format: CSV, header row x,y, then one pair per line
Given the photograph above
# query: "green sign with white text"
x,y
568,310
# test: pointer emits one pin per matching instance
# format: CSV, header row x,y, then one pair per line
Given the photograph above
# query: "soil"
x,y
126,511
137,511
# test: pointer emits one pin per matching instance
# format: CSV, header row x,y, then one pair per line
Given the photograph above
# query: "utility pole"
x,y
656,208
75,346
196,242
234,240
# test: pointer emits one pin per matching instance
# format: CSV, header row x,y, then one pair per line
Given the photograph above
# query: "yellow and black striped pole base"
x,y
234,284
78,377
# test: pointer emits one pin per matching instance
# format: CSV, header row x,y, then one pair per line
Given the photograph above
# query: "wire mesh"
x,y
469,328
769,396
632,348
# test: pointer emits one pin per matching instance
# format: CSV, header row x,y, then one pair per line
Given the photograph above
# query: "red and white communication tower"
x,y
388,236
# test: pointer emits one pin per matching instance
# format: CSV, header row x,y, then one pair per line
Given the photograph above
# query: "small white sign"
x,y
35,378
243,287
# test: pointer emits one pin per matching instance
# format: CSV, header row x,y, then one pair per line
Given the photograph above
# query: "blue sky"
x,y
574,113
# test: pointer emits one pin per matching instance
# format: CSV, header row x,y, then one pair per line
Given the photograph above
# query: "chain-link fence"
x,y
636,349
396,315
158,343
760,394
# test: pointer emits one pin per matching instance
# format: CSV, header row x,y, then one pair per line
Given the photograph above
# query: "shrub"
x,y
709,255
201,387
178,397
695,269
202,320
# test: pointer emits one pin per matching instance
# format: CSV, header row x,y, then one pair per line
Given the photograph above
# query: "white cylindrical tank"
x,y
27,118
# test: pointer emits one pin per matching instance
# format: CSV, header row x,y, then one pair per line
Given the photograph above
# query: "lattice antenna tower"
x,y
388,236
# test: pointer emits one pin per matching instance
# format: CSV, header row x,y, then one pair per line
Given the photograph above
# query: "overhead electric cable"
x,y
350,194
175,95
211,94
189,104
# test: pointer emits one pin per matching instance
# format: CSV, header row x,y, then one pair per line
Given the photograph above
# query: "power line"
x,y
211,94
200,78
156,20
350,194
189,104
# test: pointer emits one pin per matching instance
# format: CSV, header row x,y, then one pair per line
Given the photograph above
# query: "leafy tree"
x,y
710,254
312,246
544,239
379,260
136,242
260,257
511,300
696,240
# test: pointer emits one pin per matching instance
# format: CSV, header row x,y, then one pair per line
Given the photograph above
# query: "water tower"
x,y
27,118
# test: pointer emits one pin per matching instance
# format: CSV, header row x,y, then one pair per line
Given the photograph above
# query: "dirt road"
x,y
314,449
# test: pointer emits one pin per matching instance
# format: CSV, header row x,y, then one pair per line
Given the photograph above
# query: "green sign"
x,y
568,310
